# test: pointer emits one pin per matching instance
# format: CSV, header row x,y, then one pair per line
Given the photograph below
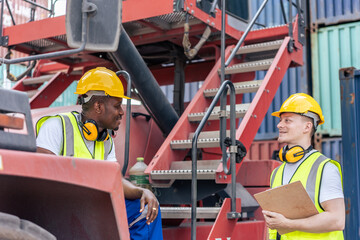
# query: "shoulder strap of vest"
x,y
311,181
273,174
69,134
108,145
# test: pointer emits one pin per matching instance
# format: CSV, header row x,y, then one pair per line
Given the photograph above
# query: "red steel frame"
x,y
80,172
131,11
253,118
48,94
264,96
165,155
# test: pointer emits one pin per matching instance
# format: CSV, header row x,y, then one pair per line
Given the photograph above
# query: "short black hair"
x,y
89,104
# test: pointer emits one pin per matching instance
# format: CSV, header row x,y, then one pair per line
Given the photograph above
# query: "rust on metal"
x,y
7,121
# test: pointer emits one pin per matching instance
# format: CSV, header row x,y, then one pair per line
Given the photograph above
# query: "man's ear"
x,y
98,107
308,126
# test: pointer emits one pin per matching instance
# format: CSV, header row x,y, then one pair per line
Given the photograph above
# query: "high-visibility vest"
x,y
73,141
309,174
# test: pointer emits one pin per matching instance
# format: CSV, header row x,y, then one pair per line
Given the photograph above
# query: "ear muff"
x,y
293,154
103,135
91,131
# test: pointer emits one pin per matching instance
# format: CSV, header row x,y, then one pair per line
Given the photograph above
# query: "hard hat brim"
x,y
276,114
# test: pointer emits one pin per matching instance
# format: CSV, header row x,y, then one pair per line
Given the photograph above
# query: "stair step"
x,y
185,212
209,139
249,66
260,47
240,110
206,169
31,93
37,80
240,87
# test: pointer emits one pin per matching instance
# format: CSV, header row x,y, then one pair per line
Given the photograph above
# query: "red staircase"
x,y
168,168
46,84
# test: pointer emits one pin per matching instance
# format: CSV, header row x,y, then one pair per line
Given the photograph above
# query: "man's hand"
x,y
149,198
275,220
146,197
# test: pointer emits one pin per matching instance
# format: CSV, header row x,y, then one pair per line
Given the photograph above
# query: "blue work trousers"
x,y
139,230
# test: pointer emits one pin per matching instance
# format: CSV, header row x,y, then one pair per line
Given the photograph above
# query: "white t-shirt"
x,y
50,137
330,186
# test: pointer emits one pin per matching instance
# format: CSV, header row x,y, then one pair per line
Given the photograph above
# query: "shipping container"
x,y
15,69
330,12
333,48
332,148
271,15
263,150
190,91
350,86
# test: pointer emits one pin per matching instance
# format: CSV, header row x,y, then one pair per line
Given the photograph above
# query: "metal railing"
x,y
87,9
223,90
221,94
128,114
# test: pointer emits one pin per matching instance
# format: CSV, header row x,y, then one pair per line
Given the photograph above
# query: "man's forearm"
x,y
130,190
320,223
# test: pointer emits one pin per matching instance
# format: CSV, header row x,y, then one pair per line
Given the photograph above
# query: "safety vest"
x,y
309,173
73,141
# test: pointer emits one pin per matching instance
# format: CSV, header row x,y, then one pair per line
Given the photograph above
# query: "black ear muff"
x,y
103,135
293,154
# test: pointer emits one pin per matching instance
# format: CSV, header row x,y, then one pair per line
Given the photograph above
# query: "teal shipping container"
x,y
15,69
333,48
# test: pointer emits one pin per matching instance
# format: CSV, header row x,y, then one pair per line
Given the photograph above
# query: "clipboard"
x,y
291,200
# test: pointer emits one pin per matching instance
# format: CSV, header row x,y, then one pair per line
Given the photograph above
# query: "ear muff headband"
x,y
91,131
293,154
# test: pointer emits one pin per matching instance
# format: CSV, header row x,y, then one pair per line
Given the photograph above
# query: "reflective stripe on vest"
x,y
309,173
73,142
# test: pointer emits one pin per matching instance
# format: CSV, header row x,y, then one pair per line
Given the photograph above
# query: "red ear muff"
x,y
293,154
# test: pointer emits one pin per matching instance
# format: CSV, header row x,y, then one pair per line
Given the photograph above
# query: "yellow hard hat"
x,y
303,104
101,79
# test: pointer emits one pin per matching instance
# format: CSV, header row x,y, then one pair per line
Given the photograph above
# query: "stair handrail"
x,y
128,114
233,149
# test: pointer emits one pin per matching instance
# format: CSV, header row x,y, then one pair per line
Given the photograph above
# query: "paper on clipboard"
x,y
291,200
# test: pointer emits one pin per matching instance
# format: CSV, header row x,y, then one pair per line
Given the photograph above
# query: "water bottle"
x,y
137,175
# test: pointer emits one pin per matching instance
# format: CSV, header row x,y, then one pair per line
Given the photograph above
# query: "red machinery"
x,y
85,195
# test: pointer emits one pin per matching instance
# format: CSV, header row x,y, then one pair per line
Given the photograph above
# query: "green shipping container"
x,y
333,48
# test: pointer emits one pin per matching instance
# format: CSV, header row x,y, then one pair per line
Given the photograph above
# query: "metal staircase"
x,y
171,174
48,80
44,89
